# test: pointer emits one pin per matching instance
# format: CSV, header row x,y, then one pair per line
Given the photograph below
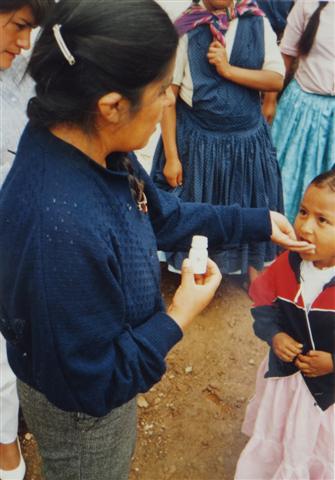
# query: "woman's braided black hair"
x,y
307,39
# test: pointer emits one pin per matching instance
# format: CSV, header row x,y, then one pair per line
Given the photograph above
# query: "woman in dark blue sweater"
x,y
80,224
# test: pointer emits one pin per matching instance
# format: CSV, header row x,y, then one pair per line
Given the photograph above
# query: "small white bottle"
x,y
198,254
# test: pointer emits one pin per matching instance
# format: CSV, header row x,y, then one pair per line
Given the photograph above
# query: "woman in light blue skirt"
x,y
304,126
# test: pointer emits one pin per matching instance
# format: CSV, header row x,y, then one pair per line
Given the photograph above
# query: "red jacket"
x,y
279,307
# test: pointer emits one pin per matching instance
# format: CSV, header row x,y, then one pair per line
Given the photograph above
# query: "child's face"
x,y
315,223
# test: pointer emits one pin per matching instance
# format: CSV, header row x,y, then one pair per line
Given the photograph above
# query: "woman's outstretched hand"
x,y
283,235
194,293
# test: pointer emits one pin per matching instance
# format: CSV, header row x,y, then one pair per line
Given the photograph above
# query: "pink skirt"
x,y
291,437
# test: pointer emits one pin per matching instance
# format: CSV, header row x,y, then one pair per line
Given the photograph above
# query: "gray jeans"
x,y
76,446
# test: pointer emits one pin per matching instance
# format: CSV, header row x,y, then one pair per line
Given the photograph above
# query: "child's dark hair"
x,y
40,8
326,179
307,39
118,45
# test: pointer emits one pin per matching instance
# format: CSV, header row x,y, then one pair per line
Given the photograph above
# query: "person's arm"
x,y
265,312
88,302
269,323
292,34
174,222
262,80
173,170
290,63
273,61
268,78
269,106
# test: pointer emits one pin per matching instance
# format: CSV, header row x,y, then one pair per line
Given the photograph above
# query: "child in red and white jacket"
x,y
291,417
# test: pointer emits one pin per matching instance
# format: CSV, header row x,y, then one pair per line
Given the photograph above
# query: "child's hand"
x,y
285,347
217,56
315,363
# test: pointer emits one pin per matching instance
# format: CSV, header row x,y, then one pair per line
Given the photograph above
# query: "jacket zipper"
x,y
306,316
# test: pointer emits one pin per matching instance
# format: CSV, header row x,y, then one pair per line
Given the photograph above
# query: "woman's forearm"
x,y
169,126
289,64
263,80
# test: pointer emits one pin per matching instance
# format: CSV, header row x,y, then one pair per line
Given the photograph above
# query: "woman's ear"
x,y
112,107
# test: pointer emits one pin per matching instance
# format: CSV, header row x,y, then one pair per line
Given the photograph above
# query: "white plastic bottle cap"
x,y
199,241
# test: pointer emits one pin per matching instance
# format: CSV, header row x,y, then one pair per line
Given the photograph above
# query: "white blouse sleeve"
x,y
181,61
273,60
294,29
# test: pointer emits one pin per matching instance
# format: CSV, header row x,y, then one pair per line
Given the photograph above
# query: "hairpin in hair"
x,y
142,203
62,45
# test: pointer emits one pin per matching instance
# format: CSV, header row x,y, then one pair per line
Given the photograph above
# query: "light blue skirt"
x,y
304,135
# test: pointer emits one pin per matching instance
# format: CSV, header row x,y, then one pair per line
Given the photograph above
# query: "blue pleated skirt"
x,y
225,168
304,135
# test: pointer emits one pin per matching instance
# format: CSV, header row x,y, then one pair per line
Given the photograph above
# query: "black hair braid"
x,y
122,163
307,39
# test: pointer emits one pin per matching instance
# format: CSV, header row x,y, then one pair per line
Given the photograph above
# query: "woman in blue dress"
x,y
216,146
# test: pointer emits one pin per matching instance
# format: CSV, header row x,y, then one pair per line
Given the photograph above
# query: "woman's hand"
x,y
285,347
284,236
194,293
217,56
315,363
261,80
173,172
269,106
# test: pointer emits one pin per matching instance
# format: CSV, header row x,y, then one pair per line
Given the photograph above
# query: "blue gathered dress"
x,y
224,143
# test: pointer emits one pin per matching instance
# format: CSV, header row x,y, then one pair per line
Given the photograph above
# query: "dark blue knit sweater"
x,y
79,278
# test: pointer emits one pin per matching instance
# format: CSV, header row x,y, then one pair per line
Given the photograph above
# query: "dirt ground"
x,y
189,424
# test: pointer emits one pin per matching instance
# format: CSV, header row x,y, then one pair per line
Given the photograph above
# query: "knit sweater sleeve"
x,y
175,222
102,359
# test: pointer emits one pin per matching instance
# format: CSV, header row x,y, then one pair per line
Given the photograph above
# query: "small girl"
x,y
216,146
291,418
304,126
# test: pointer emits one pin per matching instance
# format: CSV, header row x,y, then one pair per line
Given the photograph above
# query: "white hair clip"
x,y
62,45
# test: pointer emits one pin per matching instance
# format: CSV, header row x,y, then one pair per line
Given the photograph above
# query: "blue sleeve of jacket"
x,y
267,322
174,221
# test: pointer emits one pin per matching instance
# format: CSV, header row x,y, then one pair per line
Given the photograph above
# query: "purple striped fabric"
x,y
217,20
